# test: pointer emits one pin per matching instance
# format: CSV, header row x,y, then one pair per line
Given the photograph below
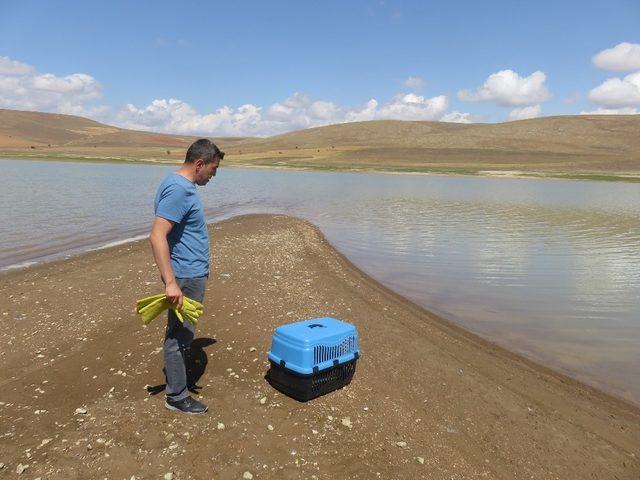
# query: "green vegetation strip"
x,y
601,177
363,168
604,177
82,158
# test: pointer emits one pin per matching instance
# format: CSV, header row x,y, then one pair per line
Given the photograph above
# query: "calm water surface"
x,y
548,268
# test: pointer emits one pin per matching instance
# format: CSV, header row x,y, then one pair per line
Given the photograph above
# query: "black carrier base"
x,y
305,387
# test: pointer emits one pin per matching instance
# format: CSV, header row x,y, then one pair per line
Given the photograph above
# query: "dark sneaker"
x,y
187,405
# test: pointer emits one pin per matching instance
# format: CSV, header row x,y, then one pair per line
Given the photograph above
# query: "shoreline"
x,y
62,256
30,265
474,338
628,177
425,388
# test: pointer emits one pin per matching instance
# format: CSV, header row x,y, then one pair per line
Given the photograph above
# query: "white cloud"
x,y
10,67
23,87
523,113
413,107
323,110
299,111
367,112
623,57
508,88
176,116
613,111
83,87
414,83
618,92
295,112
458,117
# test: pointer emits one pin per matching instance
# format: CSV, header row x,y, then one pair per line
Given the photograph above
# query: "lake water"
x,y
547,268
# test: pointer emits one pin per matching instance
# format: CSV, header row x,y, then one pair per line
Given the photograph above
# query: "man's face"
x,y
204,171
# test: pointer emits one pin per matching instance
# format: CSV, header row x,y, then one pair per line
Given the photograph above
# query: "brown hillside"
x,y
573,145
598,134
569,144
26,129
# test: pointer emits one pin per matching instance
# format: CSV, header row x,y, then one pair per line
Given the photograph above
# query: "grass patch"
x,y
595,177
364,168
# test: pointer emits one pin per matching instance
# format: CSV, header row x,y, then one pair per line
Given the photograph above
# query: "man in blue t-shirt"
x,y
180,242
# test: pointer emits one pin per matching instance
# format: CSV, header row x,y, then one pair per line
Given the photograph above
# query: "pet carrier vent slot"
x,y
325,353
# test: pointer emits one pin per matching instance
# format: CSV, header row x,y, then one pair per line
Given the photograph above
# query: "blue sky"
x,y
190,67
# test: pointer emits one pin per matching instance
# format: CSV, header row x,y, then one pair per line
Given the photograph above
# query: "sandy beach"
x,y
82,379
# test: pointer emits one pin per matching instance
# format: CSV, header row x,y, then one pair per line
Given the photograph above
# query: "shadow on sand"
x,y
196,361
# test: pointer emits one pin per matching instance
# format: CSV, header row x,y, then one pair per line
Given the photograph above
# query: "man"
x,y
180,242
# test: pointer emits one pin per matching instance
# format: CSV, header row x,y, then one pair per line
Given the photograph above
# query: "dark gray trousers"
x,y
177,341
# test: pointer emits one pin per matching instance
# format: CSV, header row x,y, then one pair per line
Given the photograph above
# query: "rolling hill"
x,y
567,145
53,135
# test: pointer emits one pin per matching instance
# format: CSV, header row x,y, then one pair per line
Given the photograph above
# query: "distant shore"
x,y
631,177
581,147
428,399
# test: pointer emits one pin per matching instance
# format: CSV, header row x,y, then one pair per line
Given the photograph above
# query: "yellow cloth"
x,y
150,307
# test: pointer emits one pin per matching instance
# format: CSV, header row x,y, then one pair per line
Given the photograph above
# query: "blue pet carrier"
x,y
313,357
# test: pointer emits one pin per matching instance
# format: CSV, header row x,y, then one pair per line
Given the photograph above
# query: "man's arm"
x,y
160,247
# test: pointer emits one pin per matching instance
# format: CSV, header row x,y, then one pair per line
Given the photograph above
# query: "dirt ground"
x,y
81,379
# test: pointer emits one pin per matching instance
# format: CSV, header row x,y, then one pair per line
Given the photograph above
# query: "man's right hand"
x,y
174,294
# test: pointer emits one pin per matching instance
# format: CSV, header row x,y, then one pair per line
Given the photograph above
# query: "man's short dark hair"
x,y
203,149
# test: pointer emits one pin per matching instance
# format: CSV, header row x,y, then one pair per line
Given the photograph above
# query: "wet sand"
x,y
428,399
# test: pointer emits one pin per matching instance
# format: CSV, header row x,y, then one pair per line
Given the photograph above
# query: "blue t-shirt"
x,y
177,200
